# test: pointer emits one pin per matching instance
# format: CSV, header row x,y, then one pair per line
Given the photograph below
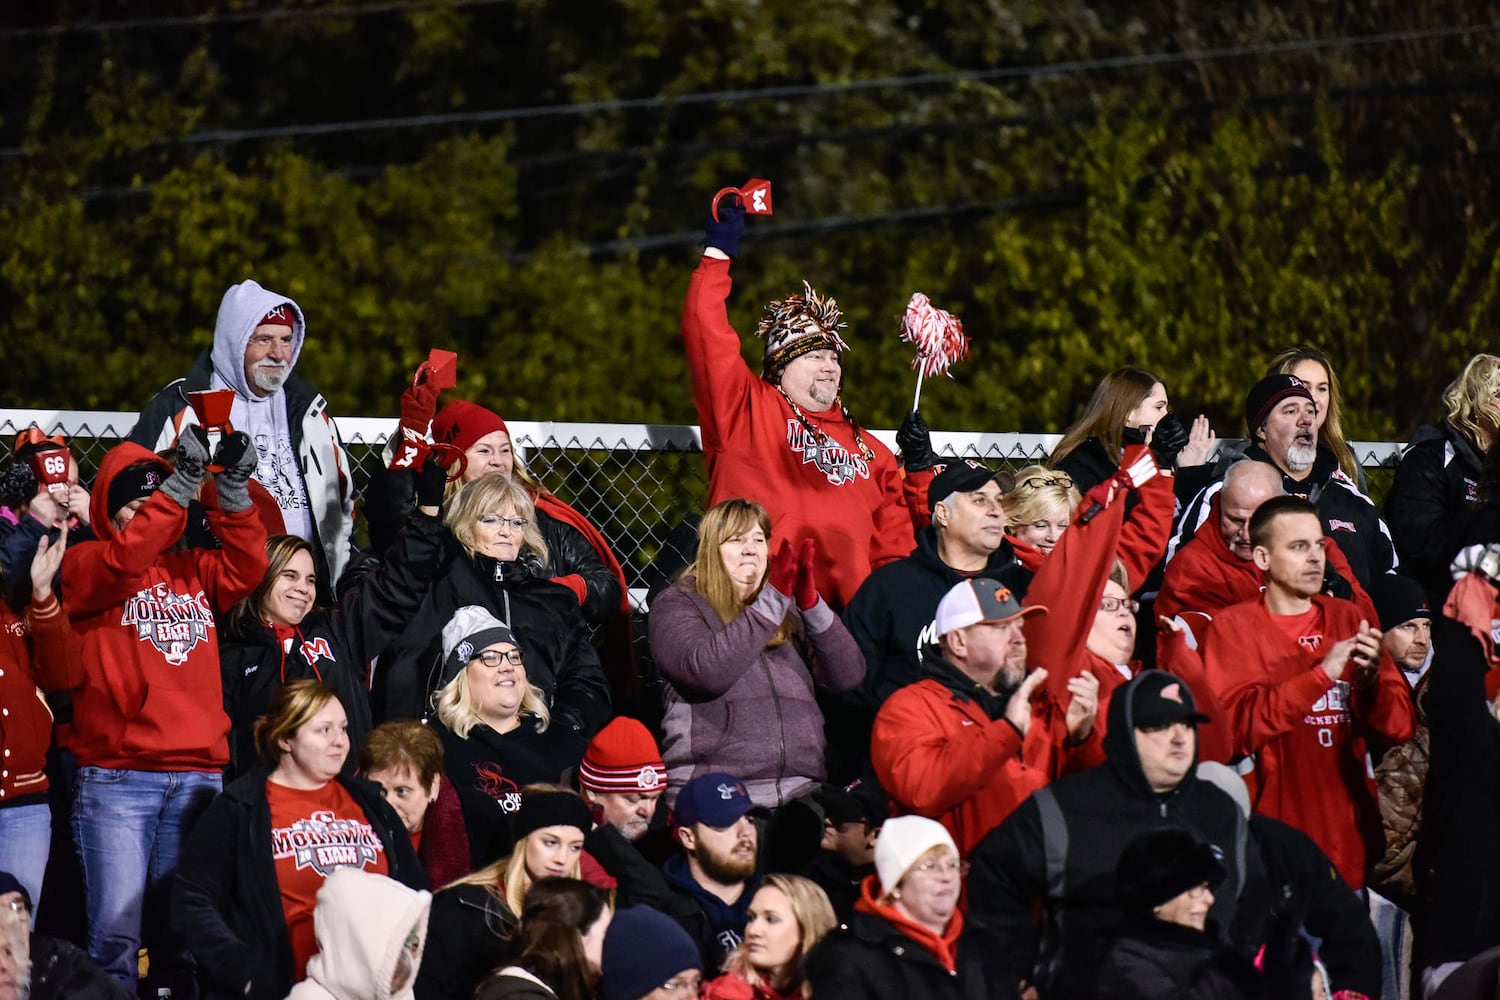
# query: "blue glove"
x,y
725,234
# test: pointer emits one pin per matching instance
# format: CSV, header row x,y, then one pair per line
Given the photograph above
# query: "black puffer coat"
x,y
1155,960
870,959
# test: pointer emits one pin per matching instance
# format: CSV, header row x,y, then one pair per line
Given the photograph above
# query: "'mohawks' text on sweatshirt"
x,y
755,447
151,698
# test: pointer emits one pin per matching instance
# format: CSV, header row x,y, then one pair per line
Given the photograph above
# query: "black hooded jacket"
x,y
549,628
1068,862
1431,502
334,645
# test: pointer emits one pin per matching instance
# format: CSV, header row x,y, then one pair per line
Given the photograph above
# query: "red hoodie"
x,y
1205,577
755,447
152,699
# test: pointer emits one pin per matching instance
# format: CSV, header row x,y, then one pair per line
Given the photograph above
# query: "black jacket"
x,y
548,626
63,971
1461,803
334,645
1431,501
1348,515
890,613
871,959
1155,960
1102,810
498,765
226,902
465,942
390,497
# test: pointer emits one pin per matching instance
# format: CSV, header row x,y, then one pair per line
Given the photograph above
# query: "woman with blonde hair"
x,y
498,564
1438,485
248,881
787,916
745,641
473,918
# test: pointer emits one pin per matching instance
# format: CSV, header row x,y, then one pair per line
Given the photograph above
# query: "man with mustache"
x,y
718,870
258,337
1281,417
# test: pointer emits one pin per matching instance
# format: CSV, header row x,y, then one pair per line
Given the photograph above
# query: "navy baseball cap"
x,y
716,799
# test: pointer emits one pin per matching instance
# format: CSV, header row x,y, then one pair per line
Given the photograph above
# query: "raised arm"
x,y
721,379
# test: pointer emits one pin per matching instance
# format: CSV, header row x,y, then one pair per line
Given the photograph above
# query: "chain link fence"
x,y
636,482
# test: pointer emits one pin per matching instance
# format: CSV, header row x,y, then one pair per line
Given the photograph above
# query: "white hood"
x,y
240,312
362,921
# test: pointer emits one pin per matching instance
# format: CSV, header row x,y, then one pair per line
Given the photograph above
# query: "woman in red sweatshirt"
x,y
149,729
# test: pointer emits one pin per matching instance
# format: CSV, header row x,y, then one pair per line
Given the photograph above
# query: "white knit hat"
x,y
902,841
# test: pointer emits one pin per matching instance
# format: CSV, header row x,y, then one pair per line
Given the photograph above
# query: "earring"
x,y
895,893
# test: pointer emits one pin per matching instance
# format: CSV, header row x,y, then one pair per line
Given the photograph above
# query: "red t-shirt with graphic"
x,y
1306,629
312,833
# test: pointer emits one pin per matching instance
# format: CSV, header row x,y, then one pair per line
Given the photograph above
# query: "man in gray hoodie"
x,y
258,337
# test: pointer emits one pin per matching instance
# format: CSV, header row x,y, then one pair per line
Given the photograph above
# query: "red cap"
x,y
623,758
461,423
282,315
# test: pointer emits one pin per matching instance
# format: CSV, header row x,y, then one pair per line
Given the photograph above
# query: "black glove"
x,y
188,469
1335,585
432,483
915,442
1168,439
238,458
726,232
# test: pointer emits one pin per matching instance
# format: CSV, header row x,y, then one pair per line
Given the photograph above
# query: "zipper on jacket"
x,y
780,729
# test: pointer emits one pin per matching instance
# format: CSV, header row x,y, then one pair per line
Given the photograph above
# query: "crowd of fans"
x,y
1167,715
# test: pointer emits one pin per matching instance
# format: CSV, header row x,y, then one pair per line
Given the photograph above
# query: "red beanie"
x,y
461,423
623,758
282,315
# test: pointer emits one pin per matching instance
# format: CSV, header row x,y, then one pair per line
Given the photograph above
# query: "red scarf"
x,y
944,947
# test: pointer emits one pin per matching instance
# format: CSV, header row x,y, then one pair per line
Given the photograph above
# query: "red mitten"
x,y
807,586
419,401
781,575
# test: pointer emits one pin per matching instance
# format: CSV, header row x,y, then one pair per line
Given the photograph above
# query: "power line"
x,y
742,95
238,17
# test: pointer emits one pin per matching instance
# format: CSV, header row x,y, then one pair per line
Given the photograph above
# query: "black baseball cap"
x,y
1160,699
964,475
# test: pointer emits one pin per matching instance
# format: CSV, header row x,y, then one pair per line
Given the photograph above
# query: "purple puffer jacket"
x,y
733,705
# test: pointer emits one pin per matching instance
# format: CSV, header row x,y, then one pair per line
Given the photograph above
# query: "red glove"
x,y
781,575
419,401
807,587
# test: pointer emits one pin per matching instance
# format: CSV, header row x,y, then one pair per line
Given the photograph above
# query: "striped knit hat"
x,y
623,758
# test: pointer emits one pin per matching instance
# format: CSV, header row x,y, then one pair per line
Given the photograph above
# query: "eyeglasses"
x,y
493,657
688,987
495,521
1037,482
948,866
1113,604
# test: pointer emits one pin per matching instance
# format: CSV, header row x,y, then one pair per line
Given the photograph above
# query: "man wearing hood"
x,y
149,729
966,743
1060,847
258,337
1281,417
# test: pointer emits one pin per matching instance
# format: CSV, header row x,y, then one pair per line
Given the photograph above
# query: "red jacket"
x,y
938,754
50,661
1306,732
1205,576
756,448
152,698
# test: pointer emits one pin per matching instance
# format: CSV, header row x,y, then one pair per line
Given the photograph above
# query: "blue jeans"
x,y
25,843
129,826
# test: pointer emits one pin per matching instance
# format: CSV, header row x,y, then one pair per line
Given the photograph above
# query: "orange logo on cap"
x,y
1002,595
1172,693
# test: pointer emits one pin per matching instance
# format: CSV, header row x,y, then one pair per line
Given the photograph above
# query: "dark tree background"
x,y
1185,186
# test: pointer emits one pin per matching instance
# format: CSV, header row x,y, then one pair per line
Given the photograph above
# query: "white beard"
x,y
1300,458
270,378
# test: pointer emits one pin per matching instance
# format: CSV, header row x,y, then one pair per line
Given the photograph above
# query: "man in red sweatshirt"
x,y
785,439
149,729
1305,683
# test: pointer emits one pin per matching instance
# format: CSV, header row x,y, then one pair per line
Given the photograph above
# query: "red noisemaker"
x,y
440,371
755,195
212,406
50,466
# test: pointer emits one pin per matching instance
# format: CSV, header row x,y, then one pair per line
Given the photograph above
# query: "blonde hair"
x,y
493,493
1468,395
815,918
507,879
1025,504
723,521
1119,392
1332,432
456,708
518,471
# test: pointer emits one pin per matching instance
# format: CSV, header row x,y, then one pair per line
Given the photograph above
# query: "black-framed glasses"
x,y
494,657
1113,604
1037,482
